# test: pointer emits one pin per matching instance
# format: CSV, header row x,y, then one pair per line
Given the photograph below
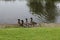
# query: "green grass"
x,y
30,34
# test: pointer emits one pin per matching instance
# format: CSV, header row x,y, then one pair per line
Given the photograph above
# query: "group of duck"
x,y
26,23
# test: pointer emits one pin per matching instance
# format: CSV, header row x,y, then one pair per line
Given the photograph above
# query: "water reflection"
x,y
11,11
7,0
46,9
51,11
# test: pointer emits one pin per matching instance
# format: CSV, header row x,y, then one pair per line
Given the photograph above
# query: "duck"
x,y
32,22
22,23
26,22
19,22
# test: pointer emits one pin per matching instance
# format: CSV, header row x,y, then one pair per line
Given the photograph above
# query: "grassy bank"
x,y
30,34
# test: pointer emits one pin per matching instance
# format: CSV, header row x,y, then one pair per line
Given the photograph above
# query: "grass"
x,y
30,34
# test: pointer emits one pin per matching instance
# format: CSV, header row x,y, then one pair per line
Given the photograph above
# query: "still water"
x,y
11,10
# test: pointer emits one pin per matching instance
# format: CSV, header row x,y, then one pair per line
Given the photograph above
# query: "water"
x,y
11,10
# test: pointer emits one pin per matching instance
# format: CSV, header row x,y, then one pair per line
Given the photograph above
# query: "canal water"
x,y
11,10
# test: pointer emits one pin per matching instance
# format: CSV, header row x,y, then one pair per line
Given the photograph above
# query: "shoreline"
x,y
39,25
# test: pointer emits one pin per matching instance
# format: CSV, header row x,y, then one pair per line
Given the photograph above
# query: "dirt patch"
x,y
50,24
8,25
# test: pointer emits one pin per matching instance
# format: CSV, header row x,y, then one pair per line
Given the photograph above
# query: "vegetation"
x,y
30,34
